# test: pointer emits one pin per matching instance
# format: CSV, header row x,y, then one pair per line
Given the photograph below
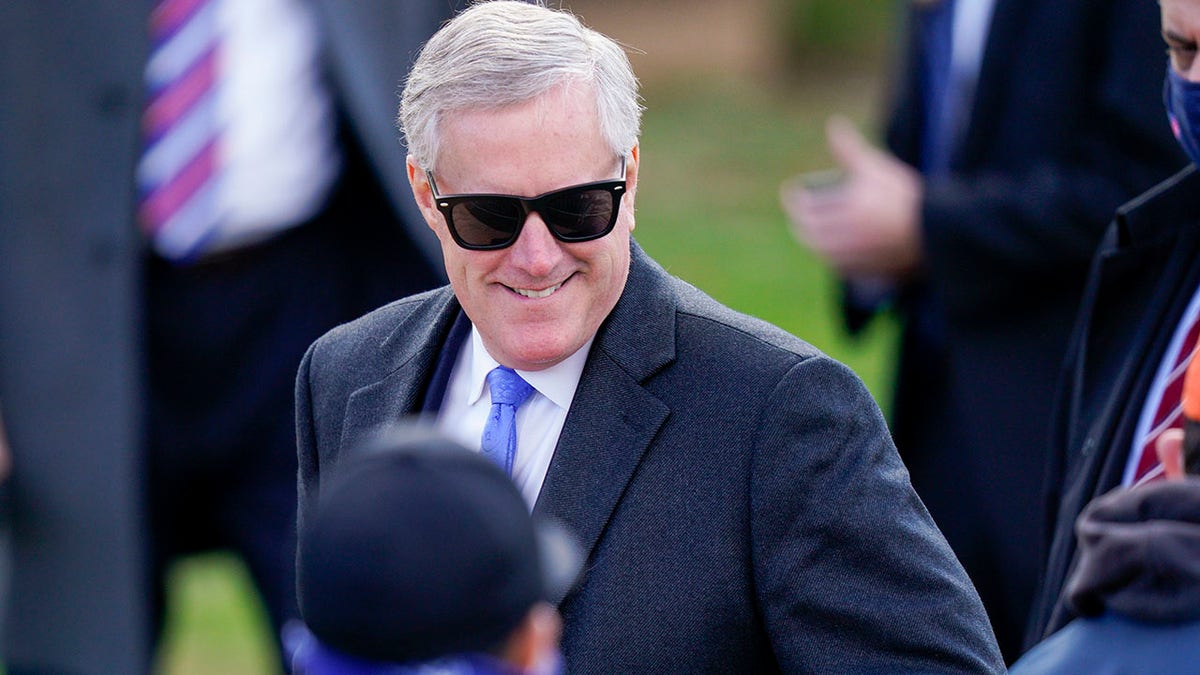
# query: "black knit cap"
x,y
420,548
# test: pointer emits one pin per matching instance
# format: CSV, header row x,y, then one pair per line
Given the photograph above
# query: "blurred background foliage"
x,y
831,27
737,94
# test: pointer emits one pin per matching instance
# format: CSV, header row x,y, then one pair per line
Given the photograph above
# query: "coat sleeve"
x,y
845,554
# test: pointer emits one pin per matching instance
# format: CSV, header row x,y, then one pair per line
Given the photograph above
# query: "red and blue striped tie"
x,y
1169,413
178,170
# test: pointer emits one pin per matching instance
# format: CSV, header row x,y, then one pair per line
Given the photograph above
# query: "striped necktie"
x,y
177,173
1169,412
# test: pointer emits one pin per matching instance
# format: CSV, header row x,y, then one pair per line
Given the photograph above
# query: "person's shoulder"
x,y
712,337
703,318
663,319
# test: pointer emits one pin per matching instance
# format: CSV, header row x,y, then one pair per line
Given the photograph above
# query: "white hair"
x,y
502,52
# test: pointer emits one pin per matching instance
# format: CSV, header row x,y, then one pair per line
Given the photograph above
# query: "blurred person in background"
x,y
422,557
1018,127
735,491
191,191
1131,349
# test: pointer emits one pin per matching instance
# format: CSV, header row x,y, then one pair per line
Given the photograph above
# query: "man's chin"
x,y
541,355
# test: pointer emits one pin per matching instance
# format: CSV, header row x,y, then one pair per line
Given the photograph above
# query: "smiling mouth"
x,y
545,293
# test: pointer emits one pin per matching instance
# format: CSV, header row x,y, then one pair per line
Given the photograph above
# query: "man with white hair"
x,y
736,492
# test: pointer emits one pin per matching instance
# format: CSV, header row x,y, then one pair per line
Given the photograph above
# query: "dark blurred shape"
x,y
1136,588
420,549
149,404
1139,553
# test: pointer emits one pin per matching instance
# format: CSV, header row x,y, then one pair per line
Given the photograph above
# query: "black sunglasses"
x,y
486,222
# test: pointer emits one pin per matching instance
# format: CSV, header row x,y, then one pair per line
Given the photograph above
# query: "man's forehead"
x,y
578,95
525,148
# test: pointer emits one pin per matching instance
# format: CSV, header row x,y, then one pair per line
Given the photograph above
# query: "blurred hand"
x,y
867,226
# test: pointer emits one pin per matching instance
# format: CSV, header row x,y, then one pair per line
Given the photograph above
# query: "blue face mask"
x,y
1182,99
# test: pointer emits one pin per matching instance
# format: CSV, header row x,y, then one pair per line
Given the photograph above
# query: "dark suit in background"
x,y
735,490
1145,273
107,352
1066,125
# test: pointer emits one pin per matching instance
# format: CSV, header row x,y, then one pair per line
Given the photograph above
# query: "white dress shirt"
x,y
279,150
969,36
467,402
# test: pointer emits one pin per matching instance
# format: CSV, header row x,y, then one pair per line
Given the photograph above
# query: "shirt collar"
x,y
557,383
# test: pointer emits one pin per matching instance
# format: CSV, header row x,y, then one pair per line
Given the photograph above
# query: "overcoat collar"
x,y
410,353
1139,260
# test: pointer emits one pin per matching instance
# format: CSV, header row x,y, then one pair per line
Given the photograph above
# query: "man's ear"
x,y
632,164
422,193
631,170
535,639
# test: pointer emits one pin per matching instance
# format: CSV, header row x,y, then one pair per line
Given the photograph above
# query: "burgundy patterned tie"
x,y
1169,413
178,170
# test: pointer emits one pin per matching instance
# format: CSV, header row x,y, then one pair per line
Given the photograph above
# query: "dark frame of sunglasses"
x,y
446,204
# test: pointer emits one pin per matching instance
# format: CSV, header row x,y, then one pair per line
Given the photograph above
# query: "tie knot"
x,y
507,387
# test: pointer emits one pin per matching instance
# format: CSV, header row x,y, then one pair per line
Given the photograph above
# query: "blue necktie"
x,y
509,391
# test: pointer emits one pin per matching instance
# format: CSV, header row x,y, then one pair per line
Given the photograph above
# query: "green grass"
x,y
215,623
713,154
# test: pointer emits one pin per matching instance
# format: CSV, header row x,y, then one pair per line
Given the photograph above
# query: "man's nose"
x,y
536,251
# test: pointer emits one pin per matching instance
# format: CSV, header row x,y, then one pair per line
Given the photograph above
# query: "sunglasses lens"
x,y
572,214
581,214
487,221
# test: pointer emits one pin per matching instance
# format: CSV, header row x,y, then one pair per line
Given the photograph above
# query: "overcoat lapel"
x,y
613,418
415,344
1009,17
1142,284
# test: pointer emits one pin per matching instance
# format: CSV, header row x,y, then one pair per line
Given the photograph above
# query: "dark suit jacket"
x,y
1144,275
70,296
1066,124
739,498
